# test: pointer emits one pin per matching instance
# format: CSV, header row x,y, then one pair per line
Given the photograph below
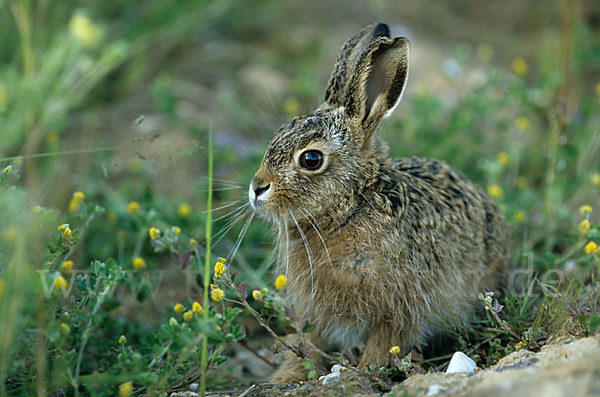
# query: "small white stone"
x,y
460,362
193,387
330,378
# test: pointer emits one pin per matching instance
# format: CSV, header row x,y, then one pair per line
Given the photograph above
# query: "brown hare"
x,y
377,251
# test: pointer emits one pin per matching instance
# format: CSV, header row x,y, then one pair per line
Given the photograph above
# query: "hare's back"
x,y
457,209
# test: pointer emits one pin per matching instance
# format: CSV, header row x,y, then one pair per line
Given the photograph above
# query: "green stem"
x,y
204,358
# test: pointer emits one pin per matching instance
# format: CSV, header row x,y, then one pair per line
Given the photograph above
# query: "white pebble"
x,y
330,378
193,387
460,362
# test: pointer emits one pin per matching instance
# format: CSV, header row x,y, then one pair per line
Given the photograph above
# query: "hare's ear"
x,y
378,81
347,59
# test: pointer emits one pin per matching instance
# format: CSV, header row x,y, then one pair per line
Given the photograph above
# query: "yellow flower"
x,y
395,349
187,316
37,209
217,294
75,202
520,345
292,106
139,263
584,227
66,267
590,248
219,269
84,30
173,322
65,328
184,210
2,95
485,52
122,340
585,209
519,216
257,295
154,233
522,123
193,242
495,191
522,182
133,207
502,158
519,66
280,282
176,229
61,282
125,389
197,308
264,291
178,308
596,179
52,137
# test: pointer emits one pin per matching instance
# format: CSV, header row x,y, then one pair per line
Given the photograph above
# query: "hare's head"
x,y
321,161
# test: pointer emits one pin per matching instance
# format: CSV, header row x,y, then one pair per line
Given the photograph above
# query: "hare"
x,y
378,252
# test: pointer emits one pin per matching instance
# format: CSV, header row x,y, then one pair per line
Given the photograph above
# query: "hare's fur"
x,y
377,251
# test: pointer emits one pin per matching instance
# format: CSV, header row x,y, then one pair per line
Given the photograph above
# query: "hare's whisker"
x,y
225,205
240,238
278,243
308,251
306,212
222,233
287,246
367,200
233,212
218,189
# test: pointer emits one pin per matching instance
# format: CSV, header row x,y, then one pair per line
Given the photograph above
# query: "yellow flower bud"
x,y
585,209
125,389
395,349
257,295
495,191
67,267
280,282
122,340
217,294
178,308
133,207
176,230
139,263
519,216
584,227
184,210
502,158
197,308
522,123
60,283
519,66
187,316
154,233
590,248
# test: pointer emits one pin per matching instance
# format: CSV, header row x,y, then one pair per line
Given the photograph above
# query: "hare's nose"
x,y
258,190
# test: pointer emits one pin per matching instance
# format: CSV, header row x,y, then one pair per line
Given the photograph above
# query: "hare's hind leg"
x,y
291,369
381,340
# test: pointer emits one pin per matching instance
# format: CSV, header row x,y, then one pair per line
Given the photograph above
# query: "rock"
x,y
562,369
460,362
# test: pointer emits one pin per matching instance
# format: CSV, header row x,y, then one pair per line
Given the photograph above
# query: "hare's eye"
x,y
311,160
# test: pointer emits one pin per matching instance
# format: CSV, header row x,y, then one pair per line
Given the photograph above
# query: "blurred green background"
x,y
116,100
